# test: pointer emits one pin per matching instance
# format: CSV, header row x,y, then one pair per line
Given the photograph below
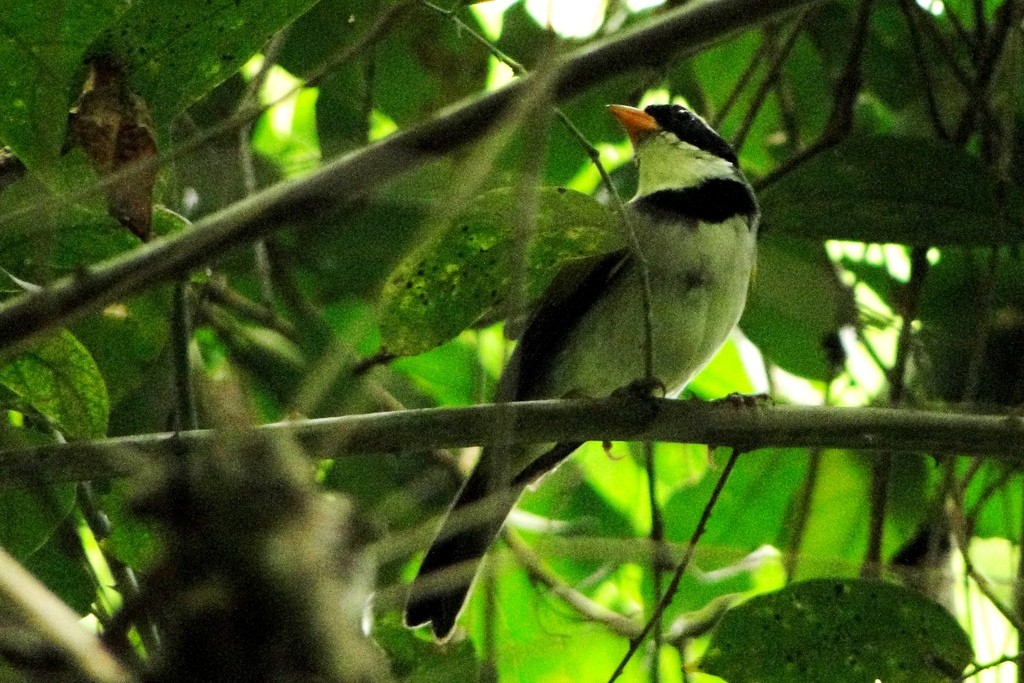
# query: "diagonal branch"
x,y
678,32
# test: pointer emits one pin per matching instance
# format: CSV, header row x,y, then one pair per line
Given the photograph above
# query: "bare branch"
x,y
46,615
617,418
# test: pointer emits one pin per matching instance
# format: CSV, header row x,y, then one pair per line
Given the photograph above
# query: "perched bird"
x,y
695,218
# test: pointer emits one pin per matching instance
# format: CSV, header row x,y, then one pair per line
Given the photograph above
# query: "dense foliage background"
x,y
884,139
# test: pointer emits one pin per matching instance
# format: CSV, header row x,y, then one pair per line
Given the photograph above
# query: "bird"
x,y
695,218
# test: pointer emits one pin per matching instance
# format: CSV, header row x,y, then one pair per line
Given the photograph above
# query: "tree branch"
x,y
57,624
681,31
617,418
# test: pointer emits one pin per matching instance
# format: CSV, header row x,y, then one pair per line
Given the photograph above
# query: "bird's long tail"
x,y
446,574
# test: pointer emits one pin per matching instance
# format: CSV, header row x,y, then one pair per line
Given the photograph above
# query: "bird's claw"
x,y
643,388
747,401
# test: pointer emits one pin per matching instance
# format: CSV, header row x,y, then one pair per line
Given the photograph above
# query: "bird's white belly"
x,y
699,279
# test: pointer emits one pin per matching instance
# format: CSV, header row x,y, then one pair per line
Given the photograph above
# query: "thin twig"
x,y
247,102
803,507
942,45
962,34
1018,595
979,19
186,414
986,60
978,345
960,534
844,99
788,115
924,73
58,624
217,290
684,564
587,608
978,668
881,472
771,76
742,81
657,537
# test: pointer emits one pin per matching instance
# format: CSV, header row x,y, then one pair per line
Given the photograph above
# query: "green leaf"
x,y
417,660
893,189
991,494
839,631
752,508
28,517
132,540
68,240
449,374
354,262
59,379
835,537
524,620
795,302
63,572
424,63
445,286
724,375
175,52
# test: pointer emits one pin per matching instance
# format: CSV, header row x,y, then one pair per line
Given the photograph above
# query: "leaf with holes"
x,y
839,631
445,286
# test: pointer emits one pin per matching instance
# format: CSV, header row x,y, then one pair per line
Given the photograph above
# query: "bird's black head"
x,y
691,129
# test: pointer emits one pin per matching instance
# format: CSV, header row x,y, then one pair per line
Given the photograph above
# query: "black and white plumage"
x,y
695,218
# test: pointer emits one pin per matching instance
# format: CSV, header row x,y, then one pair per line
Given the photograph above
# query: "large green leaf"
x,y
795,302
28,517
839,631
30,530
834,537
466,270
174,52
58,379
893,189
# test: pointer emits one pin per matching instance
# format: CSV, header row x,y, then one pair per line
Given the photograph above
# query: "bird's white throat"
x,y
667,163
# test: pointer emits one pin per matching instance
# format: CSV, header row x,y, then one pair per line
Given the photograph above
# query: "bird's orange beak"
x,y
637,122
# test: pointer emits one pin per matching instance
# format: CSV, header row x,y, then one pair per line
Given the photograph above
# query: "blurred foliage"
x,y
863,145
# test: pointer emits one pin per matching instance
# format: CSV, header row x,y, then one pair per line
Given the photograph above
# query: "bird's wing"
x,y
578,284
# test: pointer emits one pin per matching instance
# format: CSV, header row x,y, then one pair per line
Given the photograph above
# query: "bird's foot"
x,y
650,387
746,401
